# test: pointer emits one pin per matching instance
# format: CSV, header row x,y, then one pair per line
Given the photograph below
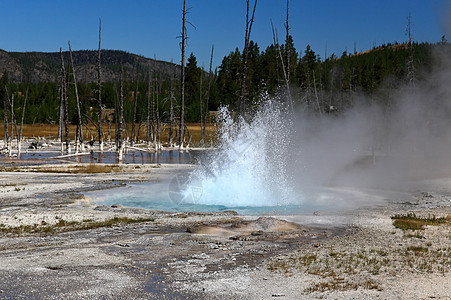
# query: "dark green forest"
x,y
323,85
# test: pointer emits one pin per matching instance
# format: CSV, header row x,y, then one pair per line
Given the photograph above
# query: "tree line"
x,y
337,76
322,84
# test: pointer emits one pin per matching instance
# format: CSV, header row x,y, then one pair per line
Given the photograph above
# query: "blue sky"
x,y
150,27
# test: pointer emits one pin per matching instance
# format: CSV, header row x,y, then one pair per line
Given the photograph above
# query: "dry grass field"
x,y
50,131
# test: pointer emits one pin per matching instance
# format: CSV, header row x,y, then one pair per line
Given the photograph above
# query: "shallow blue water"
x,y
159,196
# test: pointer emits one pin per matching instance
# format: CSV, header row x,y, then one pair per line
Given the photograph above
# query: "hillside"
x,y
45,67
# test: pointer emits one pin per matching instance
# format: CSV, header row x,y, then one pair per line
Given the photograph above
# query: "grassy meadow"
x,y
50,131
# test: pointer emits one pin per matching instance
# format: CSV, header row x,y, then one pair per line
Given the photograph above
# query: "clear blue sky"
x,y
151,27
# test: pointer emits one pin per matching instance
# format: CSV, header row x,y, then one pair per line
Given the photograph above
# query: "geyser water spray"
x,y
250,167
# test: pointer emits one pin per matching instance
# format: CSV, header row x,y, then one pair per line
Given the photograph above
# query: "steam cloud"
x,y
410,137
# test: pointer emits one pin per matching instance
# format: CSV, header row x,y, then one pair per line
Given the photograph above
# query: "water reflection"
x,y
140,157
110,157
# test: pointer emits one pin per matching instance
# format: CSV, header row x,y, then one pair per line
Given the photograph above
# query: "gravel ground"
x,y
353,254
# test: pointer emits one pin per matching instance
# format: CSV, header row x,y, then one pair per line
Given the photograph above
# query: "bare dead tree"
x,y
127,135
189,136
149,124
99,86
201,109
79,131
182,88
120,139
276,56
290,101
19,140
135,102
171,108
13,115
65,105
66,122
410,61
110,125
157,108
210,77
140,123
5,118
157,112
14,123
287,50
249,23
316,95
61,107
152,117
11,105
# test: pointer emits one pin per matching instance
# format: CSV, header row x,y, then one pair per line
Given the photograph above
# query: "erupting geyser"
x,y
250,166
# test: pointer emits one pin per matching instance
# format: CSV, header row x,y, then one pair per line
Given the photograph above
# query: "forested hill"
x,y
46,67
335,78
322,85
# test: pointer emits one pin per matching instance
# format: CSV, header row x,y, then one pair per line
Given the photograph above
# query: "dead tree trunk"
x,y
208,95
19,140
148,110
11,105
109,130
290,101
66,121
189,136
135,102
171,110
120,139
157,113
287,50
13,122
276,56
316,95
13,117
5,118
249,23
182,88
139,130
155,99
61,110
154,119
127,135
79,131
410,61
99,86
201,109
64,102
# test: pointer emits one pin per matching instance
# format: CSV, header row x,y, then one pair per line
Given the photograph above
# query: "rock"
x,y
201,256
213,246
